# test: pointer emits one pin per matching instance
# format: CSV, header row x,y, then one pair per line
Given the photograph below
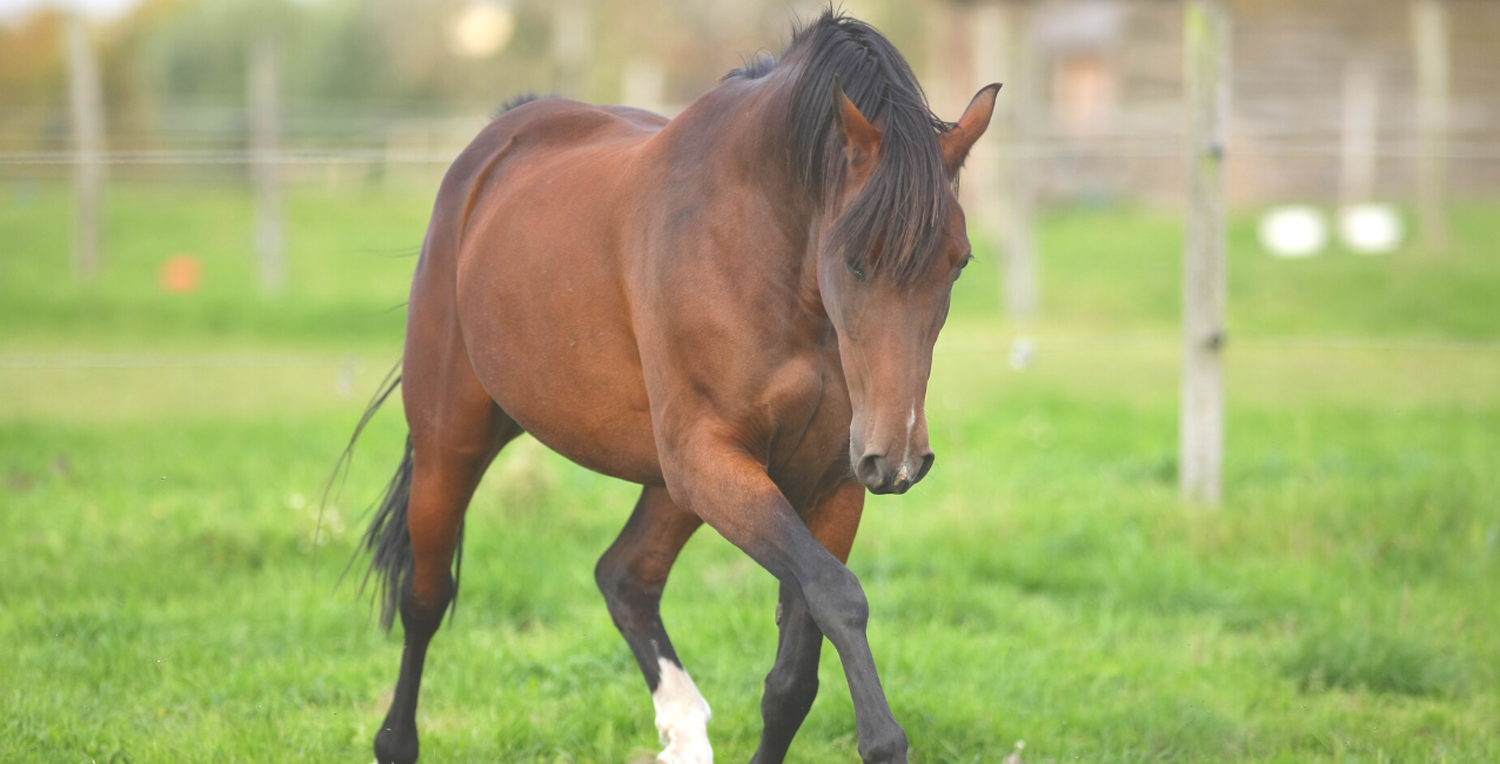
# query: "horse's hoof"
x,y
391,748
694,752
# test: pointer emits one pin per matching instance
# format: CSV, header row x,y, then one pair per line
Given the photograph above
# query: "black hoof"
x,y
391,748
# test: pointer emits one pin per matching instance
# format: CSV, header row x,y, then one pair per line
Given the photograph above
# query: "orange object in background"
x,y
181,274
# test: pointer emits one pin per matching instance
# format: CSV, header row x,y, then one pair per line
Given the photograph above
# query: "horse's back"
x,y
538,144
532,217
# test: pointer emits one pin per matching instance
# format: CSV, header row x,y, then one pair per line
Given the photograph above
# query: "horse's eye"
x,y
964,263
857,270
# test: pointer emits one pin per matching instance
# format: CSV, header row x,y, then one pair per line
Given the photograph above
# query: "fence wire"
x,y
1472,151
1000,344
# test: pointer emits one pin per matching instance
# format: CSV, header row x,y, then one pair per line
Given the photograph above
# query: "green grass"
x,y
168,596
350,256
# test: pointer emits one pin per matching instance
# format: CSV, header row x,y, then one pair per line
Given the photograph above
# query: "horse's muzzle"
x,y
882,477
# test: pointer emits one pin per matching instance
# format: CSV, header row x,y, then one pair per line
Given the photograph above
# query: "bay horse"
x,y
735,309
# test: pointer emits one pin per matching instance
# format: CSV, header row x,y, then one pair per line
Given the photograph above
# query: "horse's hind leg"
x,y
793,682
456,432
632,575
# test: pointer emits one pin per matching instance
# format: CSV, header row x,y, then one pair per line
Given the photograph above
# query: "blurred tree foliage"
x,y
193,53
166,63
33,79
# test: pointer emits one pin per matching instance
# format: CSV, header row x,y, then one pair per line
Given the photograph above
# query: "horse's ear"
x,y
956,142
861,139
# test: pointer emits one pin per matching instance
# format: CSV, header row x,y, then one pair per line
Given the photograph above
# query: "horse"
x,y
735,309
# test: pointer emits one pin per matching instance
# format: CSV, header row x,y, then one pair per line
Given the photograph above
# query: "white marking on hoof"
x,y
681,717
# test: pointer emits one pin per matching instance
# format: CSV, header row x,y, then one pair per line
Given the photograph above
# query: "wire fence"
x,y
997,344
1123,149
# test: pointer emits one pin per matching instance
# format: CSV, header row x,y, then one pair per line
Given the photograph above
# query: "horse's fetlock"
x,y
392,747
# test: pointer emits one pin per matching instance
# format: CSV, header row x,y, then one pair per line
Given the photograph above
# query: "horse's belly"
x,y
548,336
616,444
593,410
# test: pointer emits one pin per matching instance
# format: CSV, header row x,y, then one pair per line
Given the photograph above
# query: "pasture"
x,y
169,594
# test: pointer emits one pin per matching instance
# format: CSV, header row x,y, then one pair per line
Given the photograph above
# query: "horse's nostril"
x,y
926,466
873,471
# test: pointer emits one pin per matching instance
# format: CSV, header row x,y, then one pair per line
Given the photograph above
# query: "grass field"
x,y
168,595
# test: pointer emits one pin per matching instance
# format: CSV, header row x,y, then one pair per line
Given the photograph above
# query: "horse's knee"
x,y
837,603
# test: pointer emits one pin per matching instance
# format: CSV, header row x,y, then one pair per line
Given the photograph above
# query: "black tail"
x,y
388,539
389,543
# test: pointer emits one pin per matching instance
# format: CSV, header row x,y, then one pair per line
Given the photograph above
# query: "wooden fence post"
x,y
1017,191
86,99
1429,21
266,169
572,46
982,177
1207,59
1360,131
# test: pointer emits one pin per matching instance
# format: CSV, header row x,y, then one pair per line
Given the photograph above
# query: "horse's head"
x,y
886,283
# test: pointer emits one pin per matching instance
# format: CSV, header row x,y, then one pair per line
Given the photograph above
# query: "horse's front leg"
x,y
732,492
793,682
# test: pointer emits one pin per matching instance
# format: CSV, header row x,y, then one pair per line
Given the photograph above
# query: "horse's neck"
x,y
744,127
748,120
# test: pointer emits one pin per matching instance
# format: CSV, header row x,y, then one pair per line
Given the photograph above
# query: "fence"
x,y
1065,131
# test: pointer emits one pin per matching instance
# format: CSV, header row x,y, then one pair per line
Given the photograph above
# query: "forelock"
x,y
895,224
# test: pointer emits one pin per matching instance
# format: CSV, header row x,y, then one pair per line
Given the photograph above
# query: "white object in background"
x,y
1371,229
482,29
644,84
1293,231
1022,353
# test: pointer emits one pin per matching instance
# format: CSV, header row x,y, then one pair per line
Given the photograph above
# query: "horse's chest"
x,y
810,438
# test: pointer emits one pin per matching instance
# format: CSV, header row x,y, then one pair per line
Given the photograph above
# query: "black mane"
x,y
519,99
897,220
757,66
